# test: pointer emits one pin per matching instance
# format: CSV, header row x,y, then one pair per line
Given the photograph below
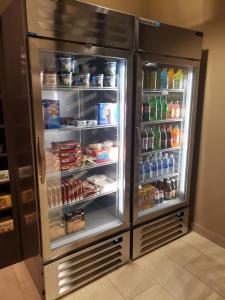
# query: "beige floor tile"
x,y
29,291
131,280
21,272
209,271
156,292
214,296
101,289
181,252
9,286
180,283
207,247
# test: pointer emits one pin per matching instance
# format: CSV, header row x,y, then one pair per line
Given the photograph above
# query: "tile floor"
x,y
190,268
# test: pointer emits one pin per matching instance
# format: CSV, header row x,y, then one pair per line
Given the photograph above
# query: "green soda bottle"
x,y
159,108
164,108
157,139
153,112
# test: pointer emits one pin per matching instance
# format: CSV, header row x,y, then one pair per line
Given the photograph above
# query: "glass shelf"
x,y
162,121
164,92
4,182
155,179
79,88
163,205
95,196
162,150
73,128
72,170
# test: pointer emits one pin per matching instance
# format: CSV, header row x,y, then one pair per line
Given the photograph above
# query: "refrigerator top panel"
x,y
80,22
158,38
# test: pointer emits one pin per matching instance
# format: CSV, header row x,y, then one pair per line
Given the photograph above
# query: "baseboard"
x,y
210,235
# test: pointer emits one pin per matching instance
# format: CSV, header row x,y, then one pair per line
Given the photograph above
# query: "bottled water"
x,y
154,167
147,168
160,164
172,164
141,171
165,164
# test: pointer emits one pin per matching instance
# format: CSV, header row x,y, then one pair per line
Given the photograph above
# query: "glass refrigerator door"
x,y
164,136
84,122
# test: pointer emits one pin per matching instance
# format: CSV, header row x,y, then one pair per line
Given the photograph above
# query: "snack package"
x,y
6,224
101,156
107,113
4,175
74,221
5,201
51,114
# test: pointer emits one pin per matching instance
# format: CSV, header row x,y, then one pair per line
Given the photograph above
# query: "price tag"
x,y
165,92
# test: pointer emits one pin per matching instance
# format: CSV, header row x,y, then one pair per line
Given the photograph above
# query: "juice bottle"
x,y
157,139
163,79
170,111
179,80
153,109
164,108
169,137
177,110
159,108
175,137
170,79
146,109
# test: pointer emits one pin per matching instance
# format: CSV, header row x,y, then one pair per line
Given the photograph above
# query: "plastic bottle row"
x,y
157,166
163,137
159,108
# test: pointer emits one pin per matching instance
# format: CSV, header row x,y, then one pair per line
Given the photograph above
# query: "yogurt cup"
x,y
110,68
84,79
110,81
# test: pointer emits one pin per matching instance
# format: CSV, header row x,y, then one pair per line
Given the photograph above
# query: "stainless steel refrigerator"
x,y
77,63
166,79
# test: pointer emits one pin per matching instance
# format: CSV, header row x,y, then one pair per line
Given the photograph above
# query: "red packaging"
x,y
68,159
101,156
68,166
64,145
66,153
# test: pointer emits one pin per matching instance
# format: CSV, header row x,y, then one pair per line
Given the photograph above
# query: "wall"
x,y
209,17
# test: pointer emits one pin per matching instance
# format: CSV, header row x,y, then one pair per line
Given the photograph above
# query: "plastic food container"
x,y
110,68
95,146
110,81
66,79
50,79
97,80
84,79
65,64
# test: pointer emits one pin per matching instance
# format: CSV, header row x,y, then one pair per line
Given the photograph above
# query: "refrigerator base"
x,y
76,270
156,233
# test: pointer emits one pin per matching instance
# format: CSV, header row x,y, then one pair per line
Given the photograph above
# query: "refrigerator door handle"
x,y
138,142
42,159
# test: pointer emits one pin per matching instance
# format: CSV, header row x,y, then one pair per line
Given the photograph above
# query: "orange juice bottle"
x,y
175,137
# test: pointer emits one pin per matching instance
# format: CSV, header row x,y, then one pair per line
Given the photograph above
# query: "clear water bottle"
x,y
172,164
141,171
154,167
165,164
147,168
160,165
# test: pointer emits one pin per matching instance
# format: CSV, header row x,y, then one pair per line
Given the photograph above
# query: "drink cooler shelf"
x,y
98,195
155,179
161,150
165,204
163,91
80,169
162,121
98,219
74,128
80,88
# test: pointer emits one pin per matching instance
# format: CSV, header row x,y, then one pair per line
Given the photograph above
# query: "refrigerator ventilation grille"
x,y
157,233
86,265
